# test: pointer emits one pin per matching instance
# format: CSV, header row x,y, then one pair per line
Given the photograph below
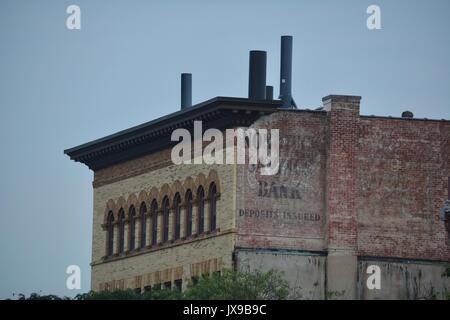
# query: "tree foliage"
x,y
236,285
229,285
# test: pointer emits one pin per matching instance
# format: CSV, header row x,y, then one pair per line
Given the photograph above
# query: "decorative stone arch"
x,y
212,177
153,195
177,187
165,191
200,180
121,204
188,184
132,201
110,206
142,197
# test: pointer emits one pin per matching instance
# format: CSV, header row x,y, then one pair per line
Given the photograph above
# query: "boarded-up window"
x,y
110,234
132,229
143,218
177,218
121,231
154,215
165,210
212,206
201,210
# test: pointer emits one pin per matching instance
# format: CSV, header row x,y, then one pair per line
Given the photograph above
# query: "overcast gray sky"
x,y
60,88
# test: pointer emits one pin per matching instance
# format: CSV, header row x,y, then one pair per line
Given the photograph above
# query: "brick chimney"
x,y
341,215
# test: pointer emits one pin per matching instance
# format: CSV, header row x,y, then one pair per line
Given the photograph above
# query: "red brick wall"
x,y
302,171
372,185
402,171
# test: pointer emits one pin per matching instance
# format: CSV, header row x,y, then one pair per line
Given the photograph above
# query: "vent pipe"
x,y
407,114
257,75
286,73
269,93
186,90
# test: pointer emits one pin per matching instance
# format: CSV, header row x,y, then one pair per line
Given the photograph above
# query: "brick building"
x,y
351,191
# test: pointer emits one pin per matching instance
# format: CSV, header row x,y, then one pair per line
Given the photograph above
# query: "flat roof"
x,y
140,139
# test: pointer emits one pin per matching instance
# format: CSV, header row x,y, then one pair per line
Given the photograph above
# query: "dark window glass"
x,y
178,284
143,218
110,234
201,210
165,210
177,220
121,230
212,206
132,230
188,213
154,215
167,285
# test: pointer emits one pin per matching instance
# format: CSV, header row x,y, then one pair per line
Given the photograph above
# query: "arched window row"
x,y
172,214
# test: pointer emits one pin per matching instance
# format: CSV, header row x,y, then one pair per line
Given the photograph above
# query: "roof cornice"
x,y
149,137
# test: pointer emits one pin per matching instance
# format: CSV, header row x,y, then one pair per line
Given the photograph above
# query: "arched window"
x,y
110,234
177,218
212,206
154,217
201,210
121,231
188,200
143,218
132,229
165,226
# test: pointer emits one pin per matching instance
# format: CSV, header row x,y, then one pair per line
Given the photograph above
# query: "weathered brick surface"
x,y
343,122
286,210
402,169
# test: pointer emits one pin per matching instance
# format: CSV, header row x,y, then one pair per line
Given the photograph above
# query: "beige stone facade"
x,y
120,187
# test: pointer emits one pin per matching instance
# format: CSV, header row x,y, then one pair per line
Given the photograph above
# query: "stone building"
x,y
352,191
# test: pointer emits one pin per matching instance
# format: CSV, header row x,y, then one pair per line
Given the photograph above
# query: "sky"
x,y
60,88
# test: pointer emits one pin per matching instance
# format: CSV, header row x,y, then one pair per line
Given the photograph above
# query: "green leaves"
x,y
229,285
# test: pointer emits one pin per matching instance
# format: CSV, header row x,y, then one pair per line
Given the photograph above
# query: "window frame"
x,y
189,212
212,207
154,222
121,237
165,206
110,234
143,226
132,228
200,210
177,216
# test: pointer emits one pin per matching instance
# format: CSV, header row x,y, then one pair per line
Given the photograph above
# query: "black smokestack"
x,y
286,73
186,90
257,75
